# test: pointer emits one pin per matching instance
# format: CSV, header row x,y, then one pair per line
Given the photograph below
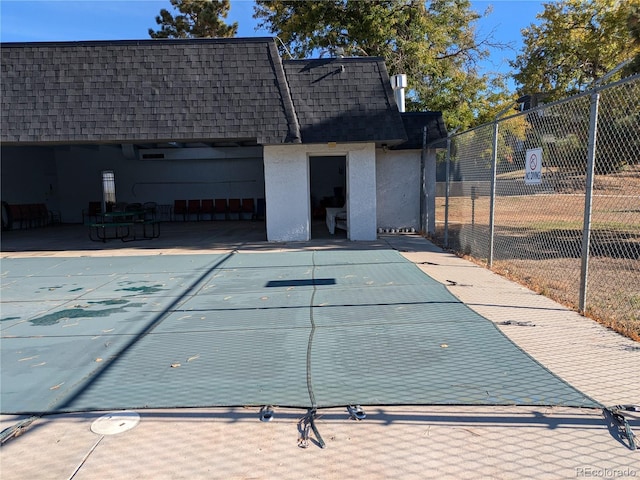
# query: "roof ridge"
x,y
143,41
294,135
327,60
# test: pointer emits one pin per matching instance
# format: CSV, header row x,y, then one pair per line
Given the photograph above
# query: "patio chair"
x,y
180,208
193,208
38,215
91,214
119,207
220,207
248,208
150,210
18,216
235,208
206,208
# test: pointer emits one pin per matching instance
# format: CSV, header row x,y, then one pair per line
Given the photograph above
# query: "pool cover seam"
x,y
312,397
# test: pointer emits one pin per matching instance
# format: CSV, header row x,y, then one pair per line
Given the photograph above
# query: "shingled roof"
x,y
154,90
414,124
198,90
344,100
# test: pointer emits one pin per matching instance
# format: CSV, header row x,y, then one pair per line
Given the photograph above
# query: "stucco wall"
x,y
361,188
286,181
288,196
398,192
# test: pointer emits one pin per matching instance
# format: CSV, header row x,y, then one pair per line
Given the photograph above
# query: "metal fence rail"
x,y
572,233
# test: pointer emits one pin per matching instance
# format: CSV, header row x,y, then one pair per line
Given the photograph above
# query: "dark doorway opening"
x,y
328,189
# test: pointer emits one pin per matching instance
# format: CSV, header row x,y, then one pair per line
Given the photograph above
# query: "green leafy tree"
x,y
575,43
433,42
194,18
633,22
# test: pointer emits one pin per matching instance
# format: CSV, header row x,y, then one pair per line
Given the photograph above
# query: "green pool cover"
x,y
295,329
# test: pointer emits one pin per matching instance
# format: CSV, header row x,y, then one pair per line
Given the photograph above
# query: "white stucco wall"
x,y
286,170
398,189
361,193
398,192
286,182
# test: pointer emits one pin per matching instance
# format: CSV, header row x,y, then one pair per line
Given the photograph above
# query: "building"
x,y
213,118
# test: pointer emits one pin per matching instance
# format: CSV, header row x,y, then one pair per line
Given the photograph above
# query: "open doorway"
x,y
328,190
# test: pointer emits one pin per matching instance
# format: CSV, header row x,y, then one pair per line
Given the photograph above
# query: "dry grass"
x,y
538,243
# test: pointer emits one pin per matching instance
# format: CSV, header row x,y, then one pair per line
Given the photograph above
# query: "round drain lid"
x,y
116,422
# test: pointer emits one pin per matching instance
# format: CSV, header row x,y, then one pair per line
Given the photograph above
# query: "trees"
x,y
196,18
433,42
576,42
633,22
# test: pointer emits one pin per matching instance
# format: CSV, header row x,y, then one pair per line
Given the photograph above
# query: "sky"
x,y
70,20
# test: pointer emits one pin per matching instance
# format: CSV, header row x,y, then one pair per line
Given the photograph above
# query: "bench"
x,y
125,231
26,215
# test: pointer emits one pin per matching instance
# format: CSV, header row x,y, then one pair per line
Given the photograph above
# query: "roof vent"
x,y
398,84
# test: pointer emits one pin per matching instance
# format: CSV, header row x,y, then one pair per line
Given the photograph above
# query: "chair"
x,y
150,210
120,207
206,208
220,207
92,213
193,208
38,214
248,207
180,208
16,216
43,213
235,208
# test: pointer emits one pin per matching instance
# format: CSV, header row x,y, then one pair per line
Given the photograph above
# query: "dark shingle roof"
x,y
414,123
145,90
195,90
344,100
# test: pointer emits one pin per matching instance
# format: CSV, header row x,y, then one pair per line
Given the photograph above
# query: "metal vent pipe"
x,y
398,84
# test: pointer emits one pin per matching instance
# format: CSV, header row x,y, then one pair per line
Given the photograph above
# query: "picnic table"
x,y
127,226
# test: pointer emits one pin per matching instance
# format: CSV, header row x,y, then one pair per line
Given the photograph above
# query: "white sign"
x,y
533,167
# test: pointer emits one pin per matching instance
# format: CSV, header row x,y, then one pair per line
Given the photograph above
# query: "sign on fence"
x,y
533,167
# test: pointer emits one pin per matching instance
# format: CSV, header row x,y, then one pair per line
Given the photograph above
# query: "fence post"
x,y
586,228
446,192
494,171
423,190
492,193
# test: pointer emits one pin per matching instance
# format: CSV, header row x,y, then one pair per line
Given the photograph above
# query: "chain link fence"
x,y
550,197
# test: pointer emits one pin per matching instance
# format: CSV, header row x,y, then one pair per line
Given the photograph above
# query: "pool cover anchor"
x,y
17,429
306,424
266,413
356,412
617,420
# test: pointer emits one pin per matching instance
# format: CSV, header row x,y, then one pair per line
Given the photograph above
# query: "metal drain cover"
x,y
116,422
